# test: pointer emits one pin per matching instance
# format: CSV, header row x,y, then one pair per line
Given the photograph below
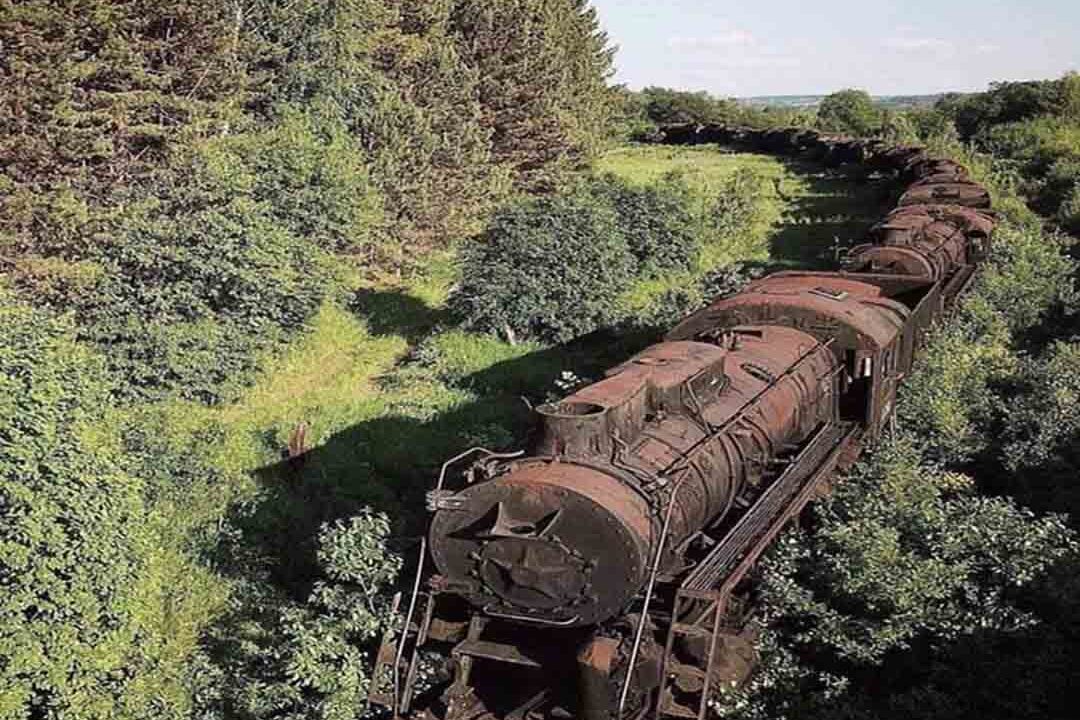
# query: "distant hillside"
x,y
812,101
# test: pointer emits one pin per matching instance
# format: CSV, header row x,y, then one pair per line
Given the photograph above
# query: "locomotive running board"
x,y
714,580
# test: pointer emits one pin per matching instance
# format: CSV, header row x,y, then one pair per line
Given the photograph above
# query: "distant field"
x,y
704,165
805,211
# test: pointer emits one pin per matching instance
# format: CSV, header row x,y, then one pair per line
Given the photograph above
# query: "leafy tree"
x,y
658,222
394,74
665,106
849,111
280,658
1005,102
94,96
902,560
196,282
543,68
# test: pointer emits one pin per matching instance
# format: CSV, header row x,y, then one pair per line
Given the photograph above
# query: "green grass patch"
x,y
802,216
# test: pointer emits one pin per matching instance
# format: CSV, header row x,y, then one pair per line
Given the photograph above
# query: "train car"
x,y
937,242
895,158
633,486
873,324
940,169
602,575
946,190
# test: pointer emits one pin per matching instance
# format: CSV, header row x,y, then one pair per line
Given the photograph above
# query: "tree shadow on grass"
x,y
395,312
390,462
834,215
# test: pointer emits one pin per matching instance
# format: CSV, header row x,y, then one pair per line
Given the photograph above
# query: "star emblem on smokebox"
x,y
523,561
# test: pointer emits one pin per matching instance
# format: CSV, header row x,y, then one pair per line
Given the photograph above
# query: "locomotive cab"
x,y
865,324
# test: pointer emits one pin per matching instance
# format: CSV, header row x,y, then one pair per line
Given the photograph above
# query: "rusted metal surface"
x,y
563,537
927,166
827,305
925,192
923,240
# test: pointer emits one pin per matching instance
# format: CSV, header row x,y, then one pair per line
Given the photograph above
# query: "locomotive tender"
x,y
604,574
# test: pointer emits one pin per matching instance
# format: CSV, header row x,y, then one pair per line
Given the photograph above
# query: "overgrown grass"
x,y
388,388
394,353
802,215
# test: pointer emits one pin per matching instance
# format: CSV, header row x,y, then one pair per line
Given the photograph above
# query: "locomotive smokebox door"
x,y
553,544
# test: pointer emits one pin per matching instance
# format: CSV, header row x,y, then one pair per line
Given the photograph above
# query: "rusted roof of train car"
x,y
830,296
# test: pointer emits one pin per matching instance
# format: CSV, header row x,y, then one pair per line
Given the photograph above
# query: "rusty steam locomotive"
x,y
603,575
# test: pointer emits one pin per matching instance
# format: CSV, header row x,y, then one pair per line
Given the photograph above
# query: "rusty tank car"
x,y
603,574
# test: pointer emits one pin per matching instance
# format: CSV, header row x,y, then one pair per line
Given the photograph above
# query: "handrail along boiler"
x,y
603,574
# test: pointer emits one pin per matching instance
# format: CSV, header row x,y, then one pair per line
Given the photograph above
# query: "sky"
x,y
888,47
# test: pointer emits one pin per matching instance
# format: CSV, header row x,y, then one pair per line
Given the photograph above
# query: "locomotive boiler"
x,y
628,470
604,573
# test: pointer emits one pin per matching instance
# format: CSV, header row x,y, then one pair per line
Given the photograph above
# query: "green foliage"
x,y
282,658
633,251
93,620
1034,129
736,205
849,111
1044,413
664,106
196,282
310,173
903,550
546,268
903,558
1011,102
952,399
657,220
542,71
95,95
394,75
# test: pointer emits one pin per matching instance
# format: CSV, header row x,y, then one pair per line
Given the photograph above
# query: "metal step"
x,y
494,651
670,708
695,630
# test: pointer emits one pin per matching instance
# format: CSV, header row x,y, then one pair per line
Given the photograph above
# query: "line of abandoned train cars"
x,y
603,574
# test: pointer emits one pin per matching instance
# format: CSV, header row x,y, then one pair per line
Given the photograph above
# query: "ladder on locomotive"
x,y
704,601
394,675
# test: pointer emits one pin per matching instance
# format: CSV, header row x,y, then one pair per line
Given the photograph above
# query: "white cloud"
x,y
987,48
917,44
732,38
729,48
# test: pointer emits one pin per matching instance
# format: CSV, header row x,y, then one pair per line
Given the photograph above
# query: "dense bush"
x,y
274,657
196,282
658,221
903,550
94,620
952,399
1032,128
849,111
1013,102
664,106
903,567
634,253
547,268
736,203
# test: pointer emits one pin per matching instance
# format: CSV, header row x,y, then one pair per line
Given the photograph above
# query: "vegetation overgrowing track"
x,y
591,547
